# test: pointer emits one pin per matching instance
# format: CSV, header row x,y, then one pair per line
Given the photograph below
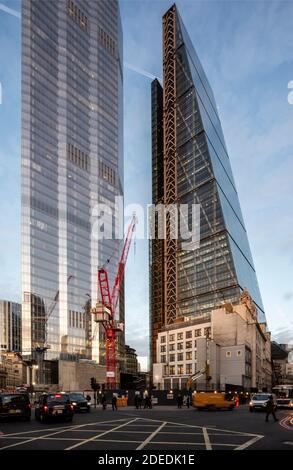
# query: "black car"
x,y
54,406
80,403
15,405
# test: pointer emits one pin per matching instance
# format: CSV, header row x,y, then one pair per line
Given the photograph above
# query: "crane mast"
x,y
104,312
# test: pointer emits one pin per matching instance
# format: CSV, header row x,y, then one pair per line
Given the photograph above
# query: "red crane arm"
x,y
122,263
104,288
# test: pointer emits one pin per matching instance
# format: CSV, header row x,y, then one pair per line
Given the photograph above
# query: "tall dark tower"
x,y
190,165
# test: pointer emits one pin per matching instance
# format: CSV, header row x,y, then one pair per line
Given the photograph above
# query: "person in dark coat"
x,y
114,403
270,409
104,401
136,401
179,400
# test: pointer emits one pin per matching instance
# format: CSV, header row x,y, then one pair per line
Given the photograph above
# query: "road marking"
x,y
200,427
290,443
287,422
249,443
99,435
190,443
206,439
65,428
60,431
151,436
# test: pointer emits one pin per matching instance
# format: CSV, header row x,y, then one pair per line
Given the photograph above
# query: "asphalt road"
x,y
162,428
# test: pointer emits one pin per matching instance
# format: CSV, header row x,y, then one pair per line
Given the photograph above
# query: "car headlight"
x,y
74,403
291,403
250,403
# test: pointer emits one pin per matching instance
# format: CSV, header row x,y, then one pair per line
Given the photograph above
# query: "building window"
x,y
78,157
197,332
207,332
188,334
188,344
188,368
163,359
180,357
172,357
172,370
189,356
107,41
77,15
163,339
195,343
180,369
107,173
172,347
239,353
172,337
179,346
179,336
228,353
163,349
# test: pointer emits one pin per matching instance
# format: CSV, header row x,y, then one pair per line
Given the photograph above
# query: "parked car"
x,y
259,401
54,406
79,402
15,405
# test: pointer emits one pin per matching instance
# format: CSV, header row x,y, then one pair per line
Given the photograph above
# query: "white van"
x,y
259,401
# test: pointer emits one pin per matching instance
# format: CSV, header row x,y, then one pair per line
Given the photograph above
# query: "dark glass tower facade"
x,y
72,159
194,168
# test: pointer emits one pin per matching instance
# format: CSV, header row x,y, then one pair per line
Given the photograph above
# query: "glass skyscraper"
x,y
72,159
190,165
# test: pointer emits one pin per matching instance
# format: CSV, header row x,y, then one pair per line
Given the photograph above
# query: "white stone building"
x,y
233,348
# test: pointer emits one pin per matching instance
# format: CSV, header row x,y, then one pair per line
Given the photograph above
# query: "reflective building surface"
x,y
72,145
190,165
10,326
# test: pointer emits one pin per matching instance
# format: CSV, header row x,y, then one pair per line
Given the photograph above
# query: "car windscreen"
x,y
77,397
13,399
260,397
57,399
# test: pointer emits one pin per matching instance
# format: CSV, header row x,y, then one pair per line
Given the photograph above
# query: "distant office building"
x,y
10,326
131,362
282,367
230,350
190,165
14,371
72,159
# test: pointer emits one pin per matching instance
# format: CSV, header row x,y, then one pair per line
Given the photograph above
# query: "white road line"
x,y
31,440
189,443
290,443
151,436
206,439
65,428
249,443
60,431
99,435
200,427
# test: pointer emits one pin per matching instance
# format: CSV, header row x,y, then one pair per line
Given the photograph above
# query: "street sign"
x,y
110,374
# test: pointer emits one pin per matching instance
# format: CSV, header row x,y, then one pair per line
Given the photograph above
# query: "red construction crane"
x,y
104,312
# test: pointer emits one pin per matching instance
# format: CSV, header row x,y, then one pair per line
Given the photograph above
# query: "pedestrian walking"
x,y
136,404
179,400
114,403
104,401
270,409
139,402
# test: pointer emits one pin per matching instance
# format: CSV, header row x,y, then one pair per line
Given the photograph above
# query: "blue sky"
x,y
246,50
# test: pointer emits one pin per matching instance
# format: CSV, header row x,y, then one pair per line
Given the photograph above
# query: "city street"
x,y
162,428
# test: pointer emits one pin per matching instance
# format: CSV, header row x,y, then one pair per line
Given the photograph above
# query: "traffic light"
x,y
93,383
